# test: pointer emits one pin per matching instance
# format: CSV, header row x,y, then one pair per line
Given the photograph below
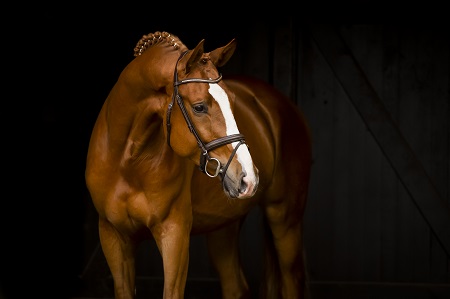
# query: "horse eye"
x,y
200,108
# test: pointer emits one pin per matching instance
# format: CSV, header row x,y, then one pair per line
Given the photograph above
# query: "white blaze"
x,y
242,153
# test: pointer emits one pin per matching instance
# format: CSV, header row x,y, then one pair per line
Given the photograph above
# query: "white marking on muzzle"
x,y
242,153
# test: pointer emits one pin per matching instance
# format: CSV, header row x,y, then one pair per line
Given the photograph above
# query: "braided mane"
x,y
155,38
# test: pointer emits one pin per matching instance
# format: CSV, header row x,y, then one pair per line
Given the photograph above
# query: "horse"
x,y
178,150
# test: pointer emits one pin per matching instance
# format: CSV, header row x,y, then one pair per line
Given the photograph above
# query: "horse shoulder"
x,y
128,172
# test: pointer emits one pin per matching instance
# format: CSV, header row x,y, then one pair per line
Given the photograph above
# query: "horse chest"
x,y
139,204
212,209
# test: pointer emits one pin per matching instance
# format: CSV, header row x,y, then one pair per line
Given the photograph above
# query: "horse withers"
x,y
178,150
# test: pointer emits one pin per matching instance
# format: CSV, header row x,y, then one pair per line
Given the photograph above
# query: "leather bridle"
x,y
205,158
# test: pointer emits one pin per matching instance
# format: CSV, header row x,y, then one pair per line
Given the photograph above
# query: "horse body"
x,y
146,181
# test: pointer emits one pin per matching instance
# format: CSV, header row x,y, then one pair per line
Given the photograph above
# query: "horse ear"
x,y
220,56
193,56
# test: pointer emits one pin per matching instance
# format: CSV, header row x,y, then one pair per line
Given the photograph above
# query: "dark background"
x,y
61,68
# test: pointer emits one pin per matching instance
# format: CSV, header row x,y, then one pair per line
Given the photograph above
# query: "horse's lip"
x,y
246,194
232,194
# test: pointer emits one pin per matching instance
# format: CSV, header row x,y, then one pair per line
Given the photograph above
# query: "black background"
x,y
60,66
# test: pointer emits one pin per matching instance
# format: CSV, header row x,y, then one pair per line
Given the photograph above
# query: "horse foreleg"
x,y
119,254
223,248
286,228
173,239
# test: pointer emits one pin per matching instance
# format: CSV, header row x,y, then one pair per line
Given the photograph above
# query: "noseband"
x,y
205,158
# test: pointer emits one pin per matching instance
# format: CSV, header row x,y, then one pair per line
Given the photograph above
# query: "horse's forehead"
x,y
204,70
195,91
220,95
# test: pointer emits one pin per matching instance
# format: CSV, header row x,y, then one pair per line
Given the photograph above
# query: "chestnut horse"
x,y
169,156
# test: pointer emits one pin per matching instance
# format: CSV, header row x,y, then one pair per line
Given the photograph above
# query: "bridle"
x,y
205,158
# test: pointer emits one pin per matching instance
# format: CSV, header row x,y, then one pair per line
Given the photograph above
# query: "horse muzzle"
x,y
242,186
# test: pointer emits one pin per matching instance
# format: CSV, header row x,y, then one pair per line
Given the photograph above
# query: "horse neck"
x,y
137,104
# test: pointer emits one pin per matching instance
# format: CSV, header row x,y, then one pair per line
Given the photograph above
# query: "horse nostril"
x,y
242,186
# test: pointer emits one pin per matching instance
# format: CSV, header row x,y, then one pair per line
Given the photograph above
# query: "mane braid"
x,y
155,38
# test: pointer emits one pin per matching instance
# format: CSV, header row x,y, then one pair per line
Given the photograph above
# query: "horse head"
x,y
203,127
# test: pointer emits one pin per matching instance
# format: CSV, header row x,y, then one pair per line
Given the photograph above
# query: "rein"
x,y
205,158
